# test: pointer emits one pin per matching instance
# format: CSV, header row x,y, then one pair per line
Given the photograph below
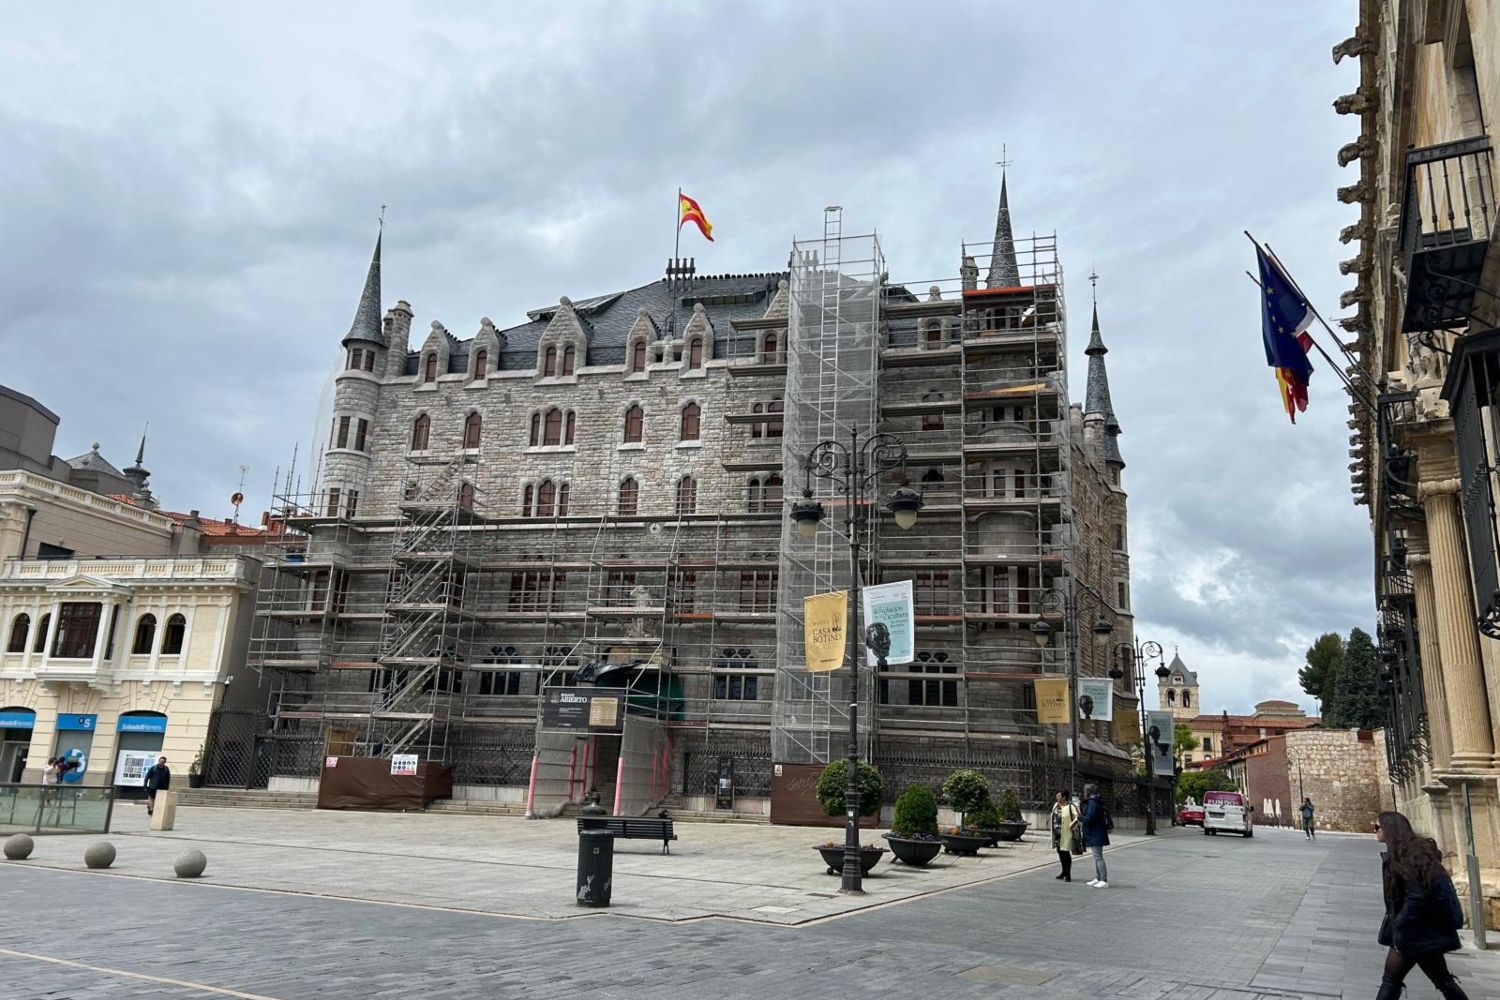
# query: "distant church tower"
x,y
1179,690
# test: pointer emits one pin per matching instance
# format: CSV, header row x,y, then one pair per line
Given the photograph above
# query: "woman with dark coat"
x,y
1096,823
1422,915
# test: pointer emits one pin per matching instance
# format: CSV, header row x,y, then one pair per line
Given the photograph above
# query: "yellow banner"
x,y
1051,700
825,621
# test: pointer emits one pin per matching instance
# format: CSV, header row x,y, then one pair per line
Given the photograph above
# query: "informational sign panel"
x,y
891,604
1051,700
1159,726
825,623
593,710
794,798
1096,699
132,765
404,763
724,790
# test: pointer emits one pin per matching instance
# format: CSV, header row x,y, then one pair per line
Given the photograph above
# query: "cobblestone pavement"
x,y
1186,918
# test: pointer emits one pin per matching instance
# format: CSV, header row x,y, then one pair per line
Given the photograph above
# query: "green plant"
x,y
1195,783
1009,805
196,767
966,789
916,812
834,782
984,816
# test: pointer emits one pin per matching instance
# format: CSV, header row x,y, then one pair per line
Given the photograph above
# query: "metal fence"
x,y
48,809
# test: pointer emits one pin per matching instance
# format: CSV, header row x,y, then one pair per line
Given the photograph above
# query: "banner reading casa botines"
x,y
1051,700
825,622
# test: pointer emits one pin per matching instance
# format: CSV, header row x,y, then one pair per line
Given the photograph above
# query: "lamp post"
x,y
1041,631
854,469
1139,653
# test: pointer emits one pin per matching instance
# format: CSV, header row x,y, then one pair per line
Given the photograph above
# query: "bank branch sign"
x,y
589,710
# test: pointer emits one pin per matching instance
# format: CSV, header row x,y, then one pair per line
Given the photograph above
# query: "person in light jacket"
x,y
158,779
1096,823
1422,913
1065,833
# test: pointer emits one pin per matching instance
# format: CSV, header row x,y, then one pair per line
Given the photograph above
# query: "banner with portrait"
x,y
1096,699
891,605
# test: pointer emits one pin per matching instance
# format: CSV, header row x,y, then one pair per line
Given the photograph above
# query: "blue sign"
x,y
78,762
17,720
73,723
142,724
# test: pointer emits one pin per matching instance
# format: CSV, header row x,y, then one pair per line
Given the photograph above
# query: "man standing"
x,y
158,779
1306,809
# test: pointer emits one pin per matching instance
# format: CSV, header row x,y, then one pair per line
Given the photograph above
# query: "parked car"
x,y
1190,814
1227,811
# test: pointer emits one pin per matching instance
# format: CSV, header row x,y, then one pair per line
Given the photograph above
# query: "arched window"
x,y
176,633
1187,699
429,368
356,359
630,497
768,351
552,427
1171,697
369,361
562,500
546,499
526,503
569,359
771,493
536,429
695,353
42,626
687,495
757,429
638,357
774,427
145,635
420,430
752,500
549,361
466,496
481,363
932,421
568,428
635,419
18,630
471,430
691,414
934,333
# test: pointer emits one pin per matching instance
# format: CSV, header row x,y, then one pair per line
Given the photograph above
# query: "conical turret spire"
x,y
1003,271
1096,398
366,325
138,475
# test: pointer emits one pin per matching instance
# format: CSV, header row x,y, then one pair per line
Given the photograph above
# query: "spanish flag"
x,y
688,211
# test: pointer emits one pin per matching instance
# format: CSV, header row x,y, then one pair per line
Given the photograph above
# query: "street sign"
x,y
593,710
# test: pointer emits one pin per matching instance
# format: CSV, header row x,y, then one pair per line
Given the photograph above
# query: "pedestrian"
x,y
49,773
1095,823
1306,809
158,779
1422,914
1065,833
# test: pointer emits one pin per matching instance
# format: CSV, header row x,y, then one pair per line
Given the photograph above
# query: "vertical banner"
x,y
1096,699
1051,700
891,604
1159,726
825,624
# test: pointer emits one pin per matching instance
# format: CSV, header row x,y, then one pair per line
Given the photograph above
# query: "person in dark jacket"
x,y
1095,822
1422,914
158,779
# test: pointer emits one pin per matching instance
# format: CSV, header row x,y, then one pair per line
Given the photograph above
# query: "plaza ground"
x,y
301,904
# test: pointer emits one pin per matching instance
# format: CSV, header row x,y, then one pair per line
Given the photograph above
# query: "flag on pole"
x,y
688,210
1285,317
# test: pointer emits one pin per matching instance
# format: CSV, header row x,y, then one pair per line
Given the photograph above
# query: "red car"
x,y
1190,815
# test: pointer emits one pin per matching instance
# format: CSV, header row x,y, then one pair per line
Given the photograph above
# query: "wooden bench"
x,y
634,828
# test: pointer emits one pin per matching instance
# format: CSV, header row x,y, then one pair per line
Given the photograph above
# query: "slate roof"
x,y
1178,667
95,462
367,325
1096,397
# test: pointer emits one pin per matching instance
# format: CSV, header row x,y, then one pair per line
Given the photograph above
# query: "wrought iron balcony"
x,y
1472,390
1447,215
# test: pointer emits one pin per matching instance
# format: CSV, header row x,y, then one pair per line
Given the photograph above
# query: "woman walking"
x,y
1095,823
1065,833
1422,915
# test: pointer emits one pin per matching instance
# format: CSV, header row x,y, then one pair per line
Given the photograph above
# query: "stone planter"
x,y
917,853
962,843
195,781
1011,830
833,857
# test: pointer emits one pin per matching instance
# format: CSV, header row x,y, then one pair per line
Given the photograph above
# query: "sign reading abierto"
x,y
593,710
891,605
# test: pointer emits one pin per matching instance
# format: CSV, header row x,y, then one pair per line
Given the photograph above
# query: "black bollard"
x,y
596,856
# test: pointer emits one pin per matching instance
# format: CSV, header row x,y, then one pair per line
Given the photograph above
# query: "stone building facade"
x,y
1425,304
1343,771
596,497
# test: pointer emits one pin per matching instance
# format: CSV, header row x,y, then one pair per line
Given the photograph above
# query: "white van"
x,y
1227,811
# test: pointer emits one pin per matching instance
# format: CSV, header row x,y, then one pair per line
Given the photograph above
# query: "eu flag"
x,y
1285,317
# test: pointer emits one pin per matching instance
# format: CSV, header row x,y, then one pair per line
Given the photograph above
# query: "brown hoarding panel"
x,y
794,798
367,783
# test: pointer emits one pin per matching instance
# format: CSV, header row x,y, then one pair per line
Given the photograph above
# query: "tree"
x,y
1195,783
1320,676
1357,699
1183,740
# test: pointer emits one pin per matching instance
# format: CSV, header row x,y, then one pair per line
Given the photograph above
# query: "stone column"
x,y
1435,698
1458,638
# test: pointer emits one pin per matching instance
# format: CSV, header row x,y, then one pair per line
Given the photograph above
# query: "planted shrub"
x,y
966,790
984,817
916,813
1009,806
834,781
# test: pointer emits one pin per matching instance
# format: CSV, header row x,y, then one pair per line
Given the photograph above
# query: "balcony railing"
x,y
1447,215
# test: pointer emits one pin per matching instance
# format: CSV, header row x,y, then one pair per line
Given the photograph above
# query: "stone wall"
x,y
1343,772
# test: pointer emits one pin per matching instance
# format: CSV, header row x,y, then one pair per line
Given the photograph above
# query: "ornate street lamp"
x,y
1041,633
1141,652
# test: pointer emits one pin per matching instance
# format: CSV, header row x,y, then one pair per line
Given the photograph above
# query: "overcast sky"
x,y
188,201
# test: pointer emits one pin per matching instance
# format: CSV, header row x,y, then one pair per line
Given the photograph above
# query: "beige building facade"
x,y
1425,303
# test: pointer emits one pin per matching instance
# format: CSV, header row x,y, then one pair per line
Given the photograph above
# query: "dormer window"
x,y
549,362
638,357
695,354
569,359
768,351
429,368
481,363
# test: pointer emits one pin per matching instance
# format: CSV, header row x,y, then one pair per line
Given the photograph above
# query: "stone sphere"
x,y
18,847
190,864
100,855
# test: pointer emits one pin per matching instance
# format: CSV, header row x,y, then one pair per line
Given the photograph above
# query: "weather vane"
x,y
382,217
1002,163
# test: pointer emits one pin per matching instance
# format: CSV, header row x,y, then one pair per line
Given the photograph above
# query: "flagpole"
x,y
677,244
1358,394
